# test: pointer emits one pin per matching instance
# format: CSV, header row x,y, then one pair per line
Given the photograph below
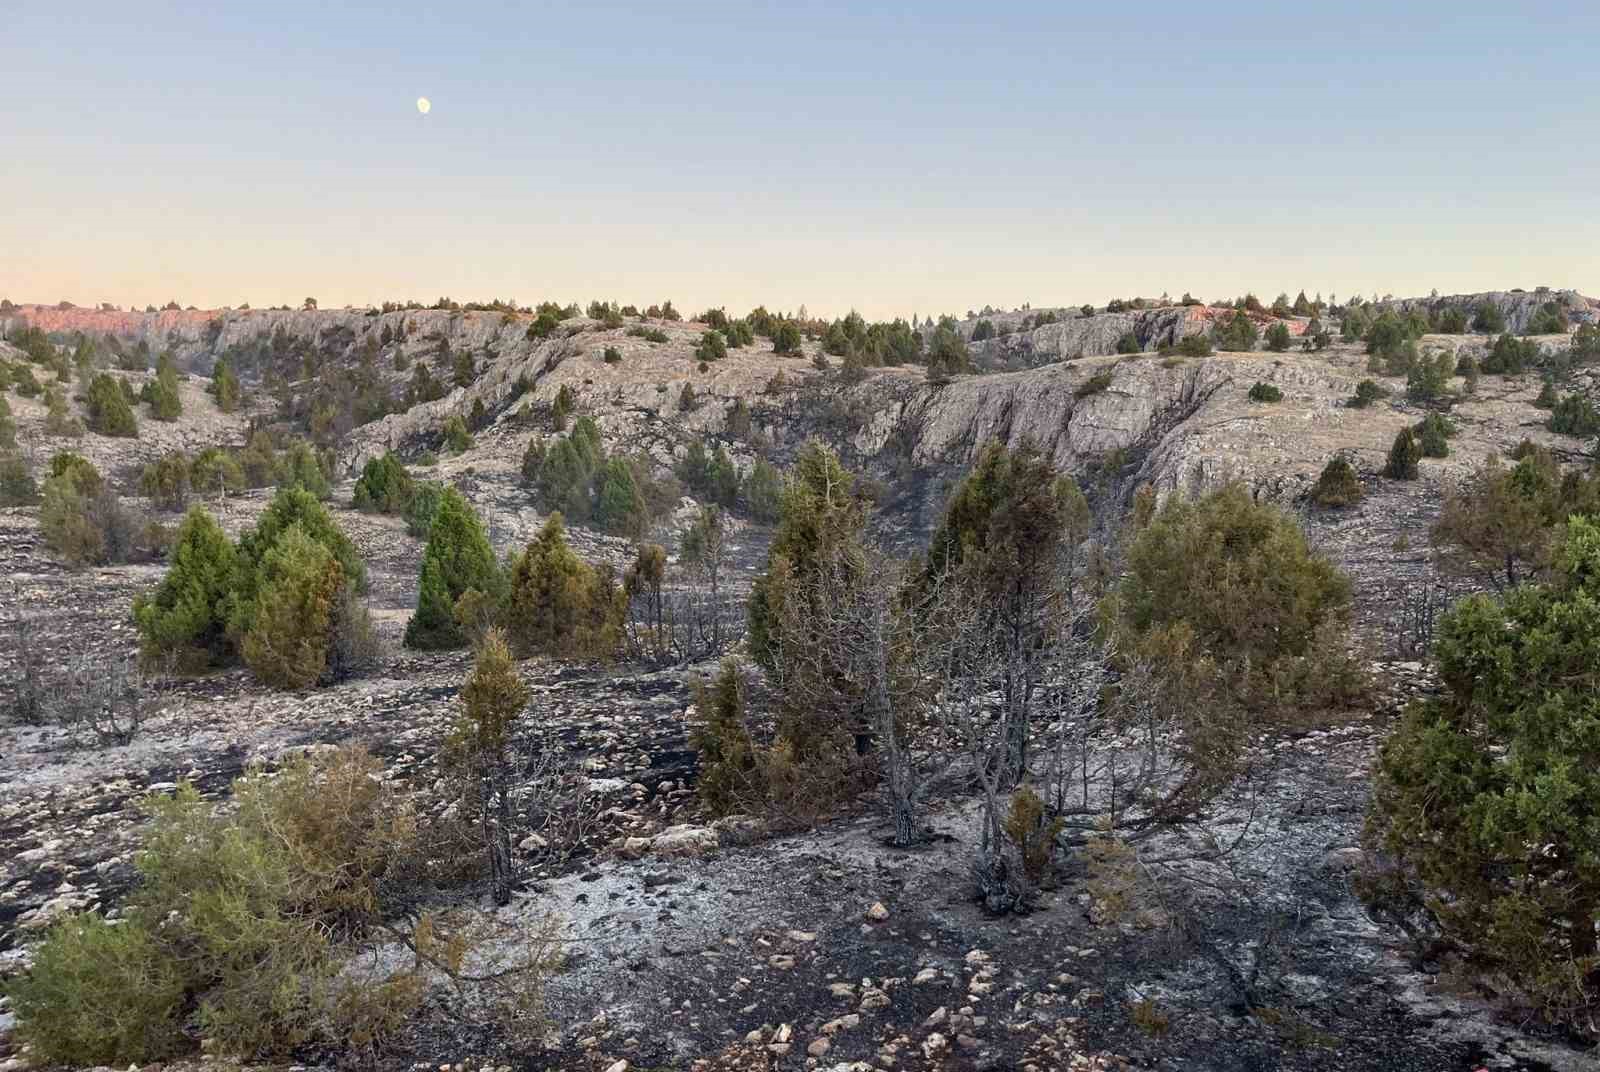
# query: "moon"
x,y
423,105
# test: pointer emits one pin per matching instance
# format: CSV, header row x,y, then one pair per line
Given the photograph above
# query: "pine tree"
x,y
458,558
299,587
225,387
819,510
165,405
477,750
300,468
1403,457
721,739
290,507
559,605
619,507
1278,337
385,486
109,411
1338,485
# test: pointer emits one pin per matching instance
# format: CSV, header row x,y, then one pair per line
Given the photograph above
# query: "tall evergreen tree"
x,y
458,558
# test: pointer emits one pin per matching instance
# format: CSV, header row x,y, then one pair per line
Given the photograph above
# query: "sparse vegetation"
x,y
1480,818
1338,485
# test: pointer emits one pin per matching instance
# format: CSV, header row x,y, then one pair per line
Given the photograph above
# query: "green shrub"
x,y
786,338
1278,337
1094,385
58,420
289,508
185,617
729,767
1509,356
456,438
712,347
300,467
1338,485
1193,346
612,355
109,411
458,557
1547,396
648,334
101,991
1550,319
1483,808
162,392
1403,456
819,508
762,492
1451,322
1433,436
1232,583
1488,319
1367,392
166,481
1237,333
81,519
619,507
17,487
233,927
559,605
298,588
1265,392
424,505
1127,343
1574,415
225,387
8,426
1429,378
385,486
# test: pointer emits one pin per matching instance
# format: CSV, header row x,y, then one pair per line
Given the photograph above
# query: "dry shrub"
x,y
1033,835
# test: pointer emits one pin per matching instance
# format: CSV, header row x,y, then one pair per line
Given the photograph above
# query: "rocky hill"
x,y
820,949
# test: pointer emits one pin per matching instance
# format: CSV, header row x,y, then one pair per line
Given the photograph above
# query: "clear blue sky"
x,y
897,158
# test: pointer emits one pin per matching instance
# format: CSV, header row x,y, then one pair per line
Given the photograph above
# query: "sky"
x,y
892,158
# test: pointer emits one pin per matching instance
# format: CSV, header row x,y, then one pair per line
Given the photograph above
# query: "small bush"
x,y
109,411
1488,319
729,767
1127,343
166,481
456,438
1194,346
1094,385
1367,392
712,347
1574,415
1338,485
101,991
17,487
1265,392
612,355
385,486
1278,337
1226,586
1403,456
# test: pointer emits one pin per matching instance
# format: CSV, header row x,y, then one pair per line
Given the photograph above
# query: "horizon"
x,y
896,161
